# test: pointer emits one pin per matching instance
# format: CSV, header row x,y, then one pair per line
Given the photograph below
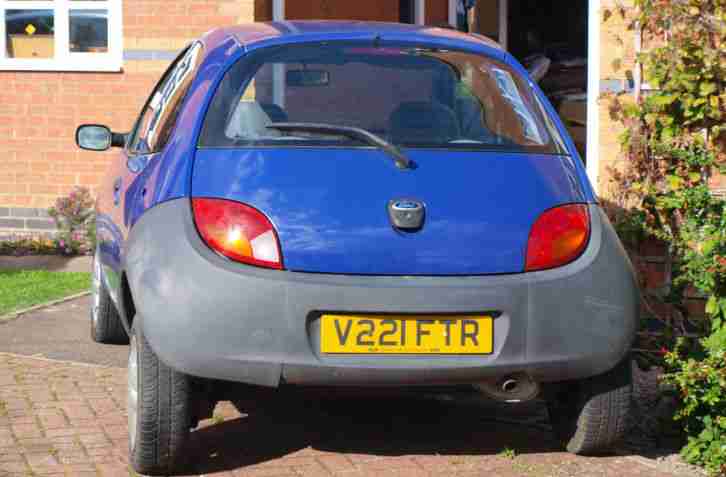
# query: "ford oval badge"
x,y
406,214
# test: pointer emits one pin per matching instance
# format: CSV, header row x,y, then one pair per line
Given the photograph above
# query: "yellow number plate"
x,y
380,334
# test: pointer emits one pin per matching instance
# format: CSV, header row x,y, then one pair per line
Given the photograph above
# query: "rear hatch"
x,y
330,205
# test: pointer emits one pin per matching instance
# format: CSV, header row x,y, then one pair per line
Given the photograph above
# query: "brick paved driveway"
x,y
60,418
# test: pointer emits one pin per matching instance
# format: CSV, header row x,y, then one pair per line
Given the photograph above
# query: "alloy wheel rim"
x,y
133,392
96,289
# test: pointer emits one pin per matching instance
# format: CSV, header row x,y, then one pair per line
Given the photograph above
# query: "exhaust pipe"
x,y
514,388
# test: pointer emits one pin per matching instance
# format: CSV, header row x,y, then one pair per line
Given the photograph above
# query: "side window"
x,y
158,117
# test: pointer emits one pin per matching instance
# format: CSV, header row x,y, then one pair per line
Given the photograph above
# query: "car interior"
x,y
420,98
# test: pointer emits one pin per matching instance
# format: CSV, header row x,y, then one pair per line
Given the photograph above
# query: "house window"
x,y
60,35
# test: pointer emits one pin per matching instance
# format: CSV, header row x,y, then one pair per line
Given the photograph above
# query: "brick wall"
x,y
611,49
39,111
24,218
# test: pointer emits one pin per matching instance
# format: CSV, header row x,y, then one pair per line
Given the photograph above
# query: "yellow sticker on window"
x,y
30,29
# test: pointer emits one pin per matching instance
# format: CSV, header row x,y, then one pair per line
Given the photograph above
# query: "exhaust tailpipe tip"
x,y
509,386
514,388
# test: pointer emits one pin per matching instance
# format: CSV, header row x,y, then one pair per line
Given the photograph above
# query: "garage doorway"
x,y
552,41
568,35
574,25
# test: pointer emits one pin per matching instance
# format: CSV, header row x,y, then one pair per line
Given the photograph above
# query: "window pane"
x,y
30,33
89,31
423,97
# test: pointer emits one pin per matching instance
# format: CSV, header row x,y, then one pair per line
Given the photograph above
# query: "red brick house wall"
x,y
39,111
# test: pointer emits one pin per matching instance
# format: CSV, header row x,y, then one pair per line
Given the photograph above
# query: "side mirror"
x,y
95,137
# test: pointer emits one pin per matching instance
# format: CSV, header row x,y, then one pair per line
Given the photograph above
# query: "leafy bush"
x,y
24,245
700,375
674,141
75,217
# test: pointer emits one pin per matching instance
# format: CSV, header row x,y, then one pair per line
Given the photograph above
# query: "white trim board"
x,y
503,22
419,13
453,20
593,93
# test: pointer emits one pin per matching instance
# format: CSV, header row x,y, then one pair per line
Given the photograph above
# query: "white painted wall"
x,y
503,22
593,93
452,12
420,12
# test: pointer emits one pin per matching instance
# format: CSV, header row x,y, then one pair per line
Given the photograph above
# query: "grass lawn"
x,y
21,289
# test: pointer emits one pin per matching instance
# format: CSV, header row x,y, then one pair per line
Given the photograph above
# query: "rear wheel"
x,y
159,410
590,416
106,326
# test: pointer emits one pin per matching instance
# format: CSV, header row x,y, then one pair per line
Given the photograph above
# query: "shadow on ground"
x,y
383,427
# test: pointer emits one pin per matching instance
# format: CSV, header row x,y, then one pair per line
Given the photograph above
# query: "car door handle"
x,y
117,191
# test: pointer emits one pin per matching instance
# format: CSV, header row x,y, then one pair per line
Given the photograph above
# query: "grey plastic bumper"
x,y
209,317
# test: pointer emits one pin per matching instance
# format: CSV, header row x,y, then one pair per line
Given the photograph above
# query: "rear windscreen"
x,y
410,96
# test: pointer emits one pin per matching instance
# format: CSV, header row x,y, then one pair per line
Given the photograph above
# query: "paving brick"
x,y
41,460
81,435
10,456
23,431
113,470
20,467
336,463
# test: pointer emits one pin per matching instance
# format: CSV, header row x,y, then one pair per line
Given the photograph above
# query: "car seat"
x,y
422,122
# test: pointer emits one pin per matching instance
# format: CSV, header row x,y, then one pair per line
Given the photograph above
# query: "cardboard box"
x,y
31,46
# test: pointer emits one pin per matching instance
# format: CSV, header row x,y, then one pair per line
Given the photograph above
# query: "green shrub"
x,y
674,141
699,373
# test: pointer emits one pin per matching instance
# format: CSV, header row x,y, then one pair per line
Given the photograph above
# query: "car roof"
x,y
301,30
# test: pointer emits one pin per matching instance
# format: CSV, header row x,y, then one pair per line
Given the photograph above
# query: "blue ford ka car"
x,y
356,204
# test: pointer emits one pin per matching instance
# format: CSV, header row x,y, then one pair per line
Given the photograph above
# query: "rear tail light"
x,y
237,231
558,237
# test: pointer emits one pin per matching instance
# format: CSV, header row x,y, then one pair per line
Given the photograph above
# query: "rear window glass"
x,y
411,97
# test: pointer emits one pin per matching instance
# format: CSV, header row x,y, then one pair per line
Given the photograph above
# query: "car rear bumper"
x,y
209,317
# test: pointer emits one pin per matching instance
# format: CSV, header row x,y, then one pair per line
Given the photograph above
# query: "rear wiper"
x,y
401,161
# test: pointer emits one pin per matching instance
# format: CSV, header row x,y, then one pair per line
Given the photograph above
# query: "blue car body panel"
x,y
170,173
329,206
211,317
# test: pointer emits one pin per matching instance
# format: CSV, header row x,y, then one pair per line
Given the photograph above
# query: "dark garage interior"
x,y
551,36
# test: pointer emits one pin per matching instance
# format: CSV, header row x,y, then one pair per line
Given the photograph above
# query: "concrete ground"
x,y
59,332
68,418
54,263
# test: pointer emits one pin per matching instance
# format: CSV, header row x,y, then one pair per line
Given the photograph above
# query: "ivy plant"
x,y
674,143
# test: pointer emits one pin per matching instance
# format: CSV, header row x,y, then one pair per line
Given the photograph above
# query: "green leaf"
x,y
706,89
669,132
674,182
663,99
712,305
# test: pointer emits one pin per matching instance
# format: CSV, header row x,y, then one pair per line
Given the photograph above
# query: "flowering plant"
x,y
75,217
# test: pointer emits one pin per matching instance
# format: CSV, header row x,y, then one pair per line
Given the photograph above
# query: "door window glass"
x,y
158,117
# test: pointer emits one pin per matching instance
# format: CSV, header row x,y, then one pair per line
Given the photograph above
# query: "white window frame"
x,y
64,59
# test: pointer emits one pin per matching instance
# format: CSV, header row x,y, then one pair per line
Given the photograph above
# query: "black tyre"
x,y
106,324
159,410
591,416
